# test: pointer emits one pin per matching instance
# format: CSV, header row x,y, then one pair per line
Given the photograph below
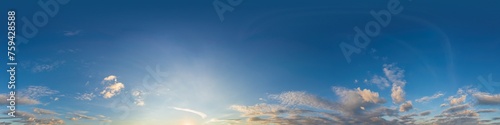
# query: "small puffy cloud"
x,y
487,99
369,96
110,78
201,114
429,98
112,90
114,87
458,100
406,106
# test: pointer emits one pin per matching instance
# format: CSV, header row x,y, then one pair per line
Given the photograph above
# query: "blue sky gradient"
x,y
267,62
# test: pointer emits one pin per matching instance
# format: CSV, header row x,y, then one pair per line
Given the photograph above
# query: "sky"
x,y
242,62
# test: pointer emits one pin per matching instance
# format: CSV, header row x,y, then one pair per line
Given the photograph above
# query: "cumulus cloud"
x,y
355,106
369,96
406,106
201,114
351,101
458,114
487,99
398,94
114,87
396,77
110,78
364,106
429,98
458,100
112,90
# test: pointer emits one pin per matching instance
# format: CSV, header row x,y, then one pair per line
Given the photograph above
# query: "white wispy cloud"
x,y
138,97
304,99
43,117
72,33
201,114
85,96
380,81
46,66
44,111
429,98
37,91
20,100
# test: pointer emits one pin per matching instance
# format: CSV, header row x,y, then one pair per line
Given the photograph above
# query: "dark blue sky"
x,y
264,55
